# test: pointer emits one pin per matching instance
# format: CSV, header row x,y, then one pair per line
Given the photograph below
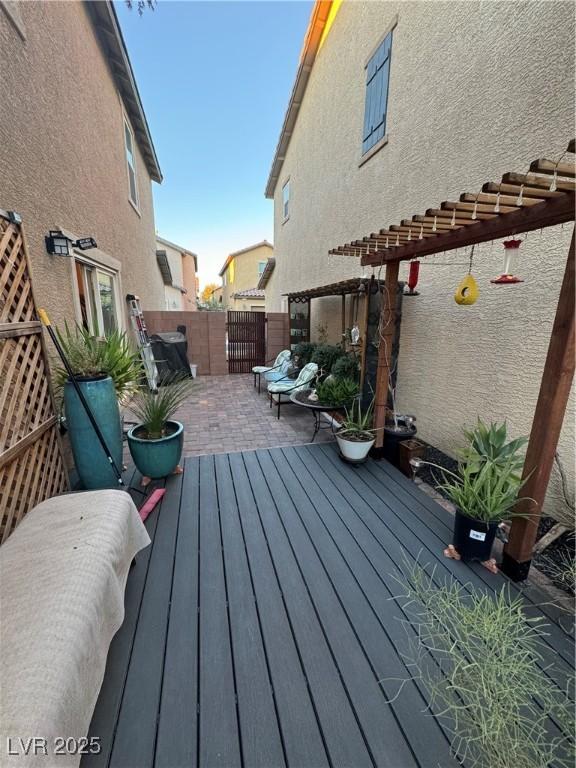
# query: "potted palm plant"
x,y
107,370
356,437
156,442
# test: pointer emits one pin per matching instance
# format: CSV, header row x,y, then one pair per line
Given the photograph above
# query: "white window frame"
x,y
131,163
286,202
263,264
115,275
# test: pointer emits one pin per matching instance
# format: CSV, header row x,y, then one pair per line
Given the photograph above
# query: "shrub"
x,y
325,355
478,656
346,367
337,392
304,351
89,355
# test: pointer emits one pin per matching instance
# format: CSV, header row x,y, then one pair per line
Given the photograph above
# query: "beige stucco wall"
x,y
62,161
241,275
476,89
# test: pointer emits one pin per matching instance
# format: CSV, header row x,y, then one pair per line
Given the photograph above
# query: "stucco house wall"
x,y
242,274
476,89
62,154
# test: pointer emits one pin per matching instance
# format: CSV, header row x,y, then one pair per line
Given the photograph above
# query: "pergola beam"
x,y
545,214
548,419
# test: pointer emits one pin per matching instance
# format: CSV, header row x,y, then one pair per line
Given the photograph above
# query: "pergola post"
x,y
383,373
548,418
343,321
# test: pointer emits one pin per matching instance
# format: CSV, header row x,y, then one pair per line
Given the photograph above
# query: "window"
x,y
130,164
377,76
261,266
97,298
286,201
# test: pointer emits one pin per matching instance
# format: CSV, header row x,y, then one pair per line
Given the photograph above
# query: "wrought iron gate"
x,y
246,340
31,465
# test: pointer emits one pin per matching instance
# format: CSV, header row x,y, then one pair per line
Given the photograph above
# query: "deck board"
x,y
135,737
219,738
261,740
261,629
177,741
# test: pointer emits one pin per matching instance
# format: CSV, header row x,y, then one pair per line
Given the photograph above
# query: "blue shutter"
x,y
377,77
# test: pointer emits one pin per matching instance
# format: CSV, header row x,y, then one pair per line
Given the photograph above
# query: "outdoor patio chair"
x,y
284,371
281,358
285,387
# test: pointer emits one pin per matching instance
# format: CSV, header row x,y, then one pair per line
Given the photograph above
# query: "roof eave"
x,y
312,40
105,21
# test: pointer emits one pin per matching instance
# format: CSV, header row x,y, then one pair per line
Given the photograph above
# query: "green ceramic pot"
x,y
157,458
92,465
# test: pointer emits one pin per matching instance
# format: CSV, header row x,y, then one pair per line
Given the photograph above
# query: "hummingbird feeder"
x,y
413,279
507,278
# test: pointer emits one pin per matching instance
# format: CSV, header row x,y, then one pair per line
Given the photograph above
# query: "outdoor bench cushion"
x,y
280,358
62,577
305,378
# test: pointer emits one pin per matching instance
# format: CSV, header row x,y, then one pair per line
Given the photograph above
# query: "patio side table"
x,y
301,398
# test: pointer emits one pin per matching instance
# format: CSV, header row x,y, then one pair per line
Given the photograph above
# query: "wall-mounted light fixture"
x,y
57,244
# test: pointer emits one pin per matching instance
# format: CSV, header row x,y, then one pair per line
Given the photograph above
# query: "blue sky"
x,y
215,78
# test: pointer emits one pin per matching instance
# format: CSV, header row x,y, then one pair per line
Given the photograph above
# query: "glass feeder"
x,y
507,278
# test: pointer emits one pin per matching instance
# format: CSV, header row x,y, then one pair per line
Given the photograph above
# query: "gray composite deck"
x,y
260,629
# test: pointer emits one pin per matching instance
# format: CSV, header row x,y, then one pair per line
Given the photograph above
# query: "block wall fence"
x,y
206,335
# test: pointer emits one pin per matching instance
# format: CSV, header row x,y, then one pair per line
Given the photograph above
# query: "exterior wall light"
x,y
57,244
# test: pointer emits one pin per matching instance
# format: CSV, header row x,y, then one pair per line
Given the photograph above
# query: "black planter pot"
x,y
393,438
473,539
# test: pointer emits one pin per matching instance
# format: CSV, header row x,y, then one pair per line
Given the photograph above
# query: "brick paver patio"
x,y
226,413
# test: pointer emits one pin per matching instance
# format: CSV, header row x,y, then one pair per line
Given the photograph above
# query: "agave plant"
x,y
155,409
358,422
90,355
490,444
486,492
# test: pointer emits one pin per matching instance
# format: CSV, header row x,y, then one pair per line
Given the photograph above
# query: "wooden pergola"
x,y
520,202
351,287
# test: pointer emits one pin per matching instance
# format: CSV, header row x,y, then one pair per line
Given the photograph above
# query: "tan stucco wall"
x,y
190,282
476,89
62,161
243,270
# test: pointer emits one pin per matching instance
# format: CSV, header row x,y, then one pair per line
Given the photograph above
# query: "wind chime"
x,y
467,292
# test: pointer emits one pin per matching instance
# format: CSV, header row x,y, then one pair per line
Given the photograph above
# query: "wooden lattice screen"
x,y
31,463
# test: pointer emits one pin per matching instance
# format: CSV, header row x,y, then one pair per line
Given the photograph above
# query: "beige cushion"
x,y
62,578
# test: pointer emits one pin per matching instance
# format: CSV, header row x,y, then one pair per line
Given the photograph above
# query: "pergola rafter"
x,y
520,202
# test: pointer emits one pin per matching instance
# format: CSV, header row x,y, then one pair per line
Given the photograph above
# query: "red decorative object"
x,y
413,278
507,278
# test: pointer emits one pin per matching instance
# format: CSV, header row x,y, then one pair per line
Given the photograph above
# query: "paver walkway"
x,y
226,414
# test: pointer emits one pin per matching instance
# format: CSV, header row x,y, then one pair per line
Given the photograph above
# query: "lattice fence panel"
x,y
25,402
16,301
37,473
31,464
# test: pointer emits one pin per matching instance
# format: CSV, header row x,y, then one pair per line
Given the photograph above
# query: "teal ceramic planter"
x,y
157,458
94,469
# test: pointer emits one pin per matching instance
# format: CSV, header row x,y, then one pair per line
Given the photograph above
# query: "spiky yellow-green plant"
x,y
479,657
